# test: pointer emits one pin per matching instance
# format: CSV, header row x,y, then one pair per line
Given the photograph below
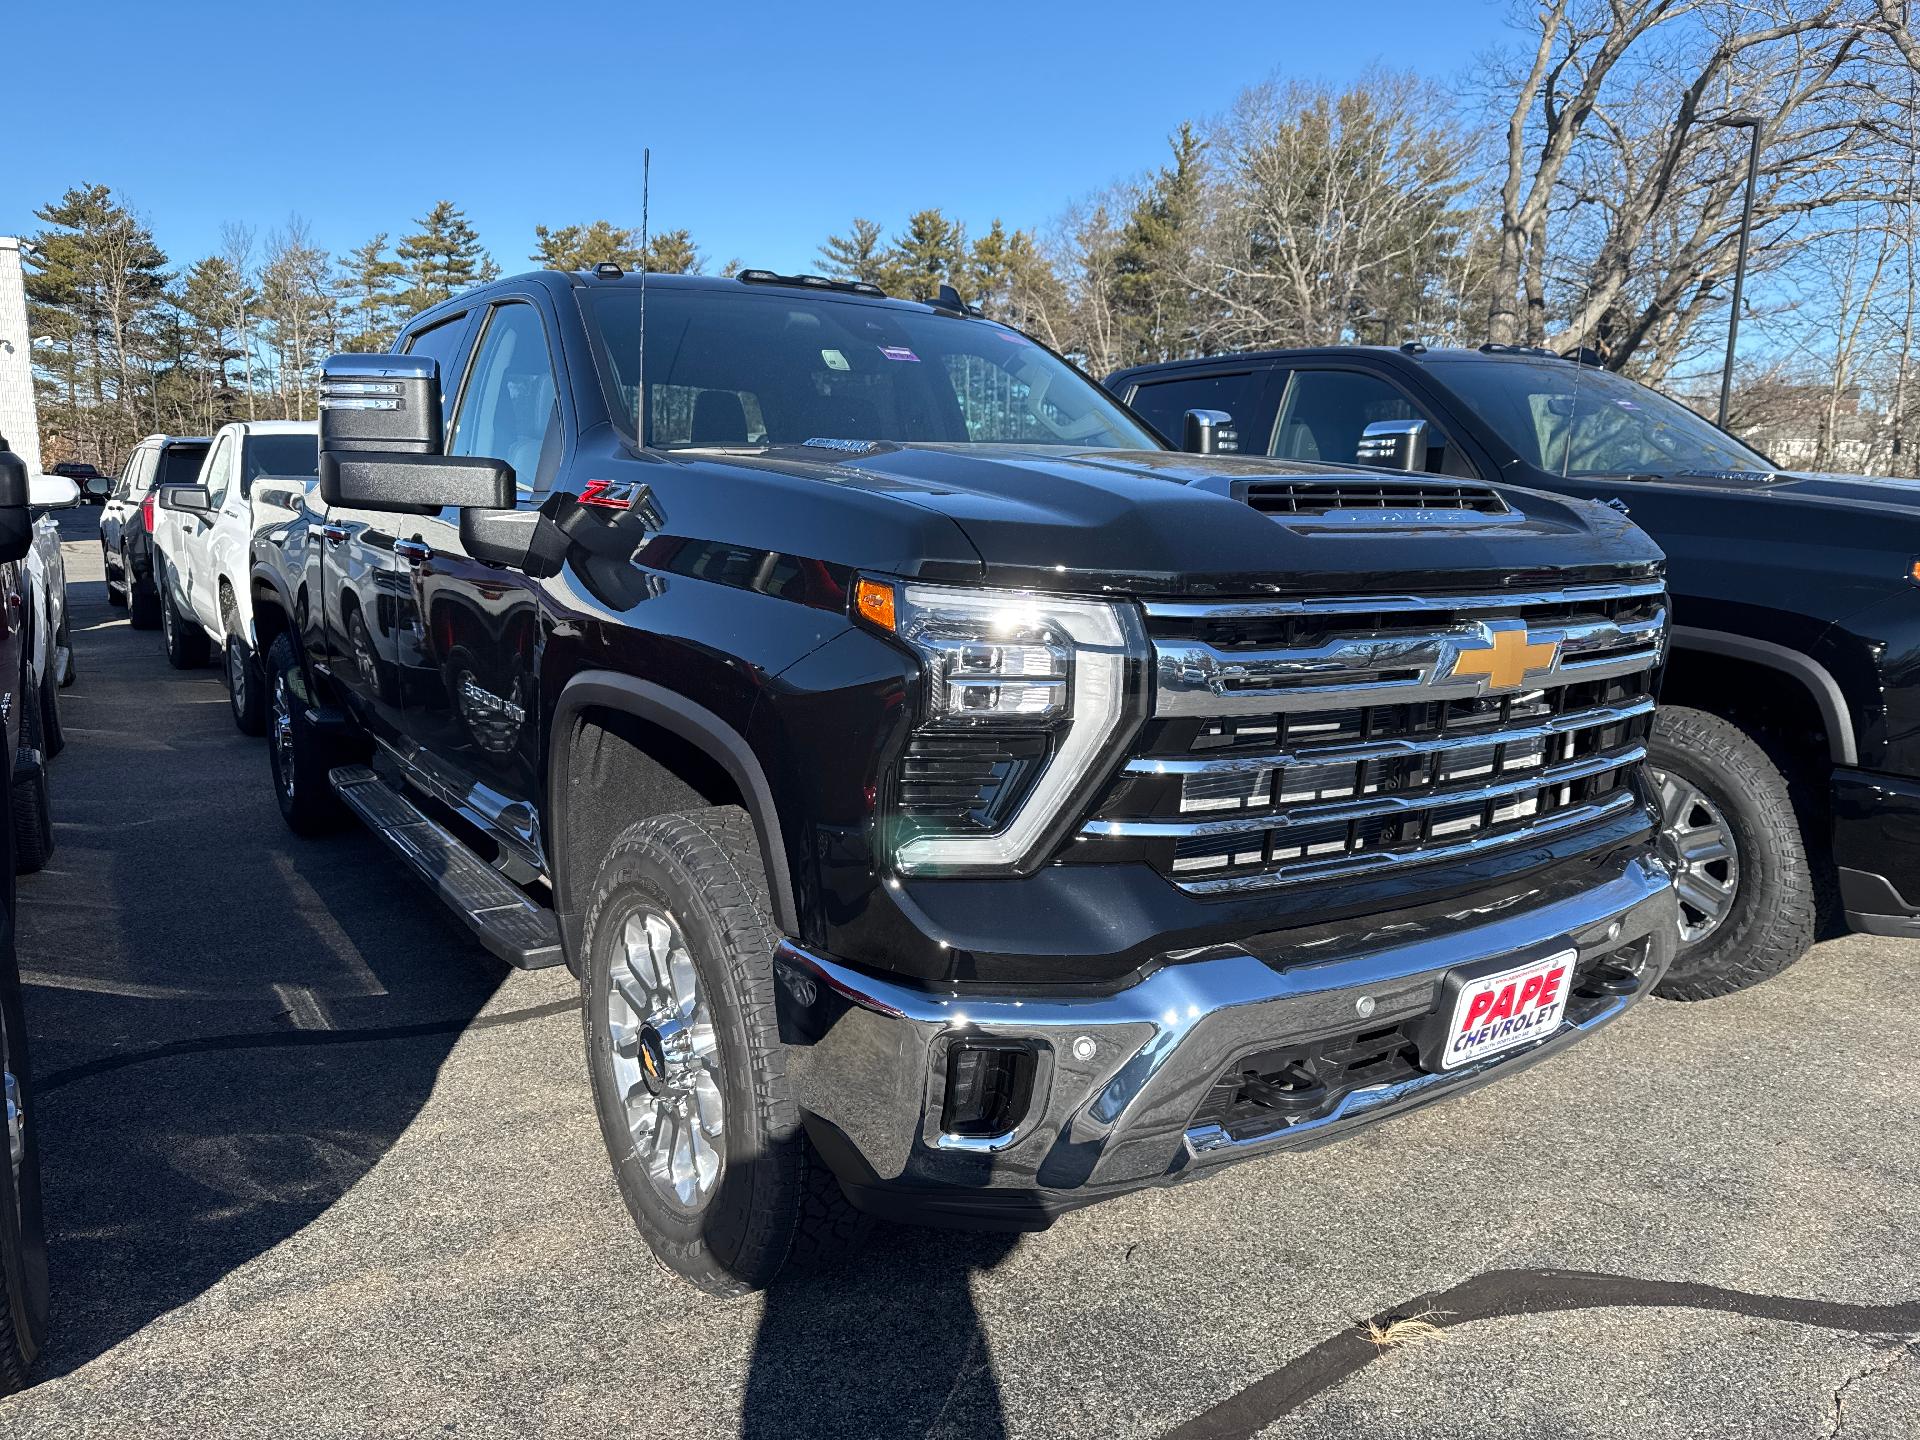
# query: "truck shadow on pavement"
x,y
202,991
892,1345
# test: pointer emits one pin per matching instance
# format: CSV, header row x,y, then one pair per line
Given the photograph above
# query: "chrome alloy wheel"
x,y
236,675
283,734
666,1058
1709,878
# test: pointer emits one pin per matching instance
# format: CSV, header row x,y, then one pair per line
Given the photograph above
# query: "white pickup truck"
x,y
202,534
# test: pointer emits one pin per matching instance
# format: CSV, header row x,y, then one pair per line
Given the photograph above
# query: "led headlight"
x,y
1017,682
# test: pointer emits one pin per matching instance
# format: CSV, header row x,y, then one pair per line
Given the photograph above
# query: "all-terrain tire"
x,y
31,800
1770,922
299,754
773,1198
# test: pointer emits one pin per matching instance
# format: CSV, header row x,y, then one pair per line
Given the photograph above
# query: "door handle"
x,y
413,551
334,534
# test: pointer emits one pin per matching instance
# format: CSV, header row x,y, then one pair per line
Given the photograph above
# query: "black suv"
x,y
1788,771
950,799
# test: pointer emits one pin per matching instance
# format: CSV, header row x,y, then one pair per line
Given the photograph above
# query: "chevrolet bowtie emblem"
x,y
1506,659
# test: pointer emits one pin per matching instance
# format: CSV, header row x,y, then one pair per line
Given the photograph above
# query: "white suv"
x,y
202,534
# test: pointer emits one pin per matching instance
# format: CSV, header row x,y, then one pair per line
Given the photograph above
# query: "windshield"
x,y
772,367
279,455
1575,420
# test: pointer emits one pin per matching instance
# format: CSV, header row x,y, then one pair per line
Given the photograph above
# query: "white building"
x,y
18,420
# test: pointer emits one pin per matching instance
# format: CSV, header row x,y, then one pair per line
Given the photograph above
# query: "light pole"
x,y
1755,125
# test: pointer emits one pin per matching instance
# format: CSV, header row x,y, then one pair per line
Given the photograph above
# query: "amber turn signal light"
x,y
874,601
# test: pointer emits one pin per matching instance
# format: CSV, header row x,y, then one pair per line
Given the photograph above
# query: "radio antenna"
x,y
640,366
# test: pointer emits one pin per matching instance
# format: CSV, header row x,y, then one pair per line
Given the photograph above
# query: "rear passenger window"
x,y
1163,404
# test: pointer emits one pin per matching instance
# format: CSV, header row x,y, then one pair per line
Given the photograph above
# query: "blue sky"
x,y
771,126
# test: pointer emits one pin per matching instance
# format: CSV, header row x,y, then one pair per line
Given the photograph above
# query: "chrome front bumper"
x,y
1118,1077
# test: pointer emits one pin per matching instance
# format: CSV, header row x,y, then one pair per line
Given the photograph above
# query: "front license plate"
x,y
1515,1007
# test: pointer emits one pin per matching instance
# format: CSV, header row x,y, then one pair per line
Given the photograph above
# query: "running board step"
x,y
499,913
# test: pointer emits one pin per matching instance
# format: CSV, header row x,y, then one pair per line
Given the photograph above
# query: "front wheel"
x,y
1746,893
689,1073
186,642
143,606
298,752
116,594
245,688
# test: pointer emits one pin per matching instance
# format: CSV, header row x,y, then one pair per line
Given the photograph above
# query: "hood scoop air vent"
x,y
1364,503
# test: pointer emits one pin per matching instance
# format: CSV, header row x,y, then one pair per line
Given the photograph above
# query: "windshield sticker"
x,y
1014,335
899,352
835,360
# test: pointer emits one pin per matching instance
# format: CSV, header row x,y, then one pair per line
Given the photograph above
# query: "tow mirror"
x,y
187,499
52,492
380,442
1393,445
387,403
98,487
16,521
1210,432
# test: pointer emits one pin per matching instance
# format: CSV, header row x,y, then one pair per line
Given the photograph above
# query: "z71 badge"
x,y
611,494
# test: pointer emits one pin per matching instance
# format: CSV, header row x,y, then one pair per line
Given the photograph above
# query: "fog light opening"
x,y
989,1087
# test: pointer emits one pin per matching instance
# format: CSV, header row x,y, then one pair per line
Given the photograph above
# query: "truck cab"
x,y
955,804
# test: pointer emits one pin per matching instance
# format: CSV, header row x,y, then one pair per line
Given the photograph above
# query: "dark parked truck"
x,y
1786,755
951,800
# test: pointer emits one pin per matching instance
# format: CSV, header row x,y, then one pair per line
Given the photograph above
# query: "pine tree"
x,y
673,253
205,297
96,281
581,247
1153,302
368,290
442,258
927,254
857,255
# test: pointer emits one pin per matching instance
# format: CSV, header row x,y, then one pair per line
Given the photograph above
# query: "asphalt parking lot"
x,y
316,1165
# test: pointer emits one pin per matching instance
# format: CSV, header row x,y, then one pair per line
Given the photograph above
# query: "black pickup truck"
x,y
951,800
1786,753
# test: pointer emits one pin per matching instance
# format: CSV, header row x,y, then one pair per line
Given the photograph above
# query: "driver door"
x,y
473,720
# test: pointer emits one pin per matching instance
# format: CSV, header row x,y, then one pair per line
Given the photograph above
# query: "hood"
x,y
1165,522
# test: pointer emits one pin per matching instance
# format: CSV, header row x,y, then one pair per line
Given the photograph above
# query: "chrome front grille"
x,y
1302,739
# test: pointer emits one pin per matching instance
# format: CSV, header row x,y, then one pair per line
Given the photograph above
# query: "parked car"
x,y
201,537
1788,773
126,521
23,1246
94,486
953,804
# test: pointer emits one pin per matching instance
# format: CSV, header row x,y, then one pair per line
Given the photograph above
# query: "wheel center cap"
x,y
653,1061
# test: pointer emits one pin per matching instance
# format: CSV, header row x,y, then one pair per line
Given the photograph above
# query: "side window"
x,y
443,344
1163,404
133,478
219,472
510,408
1326,411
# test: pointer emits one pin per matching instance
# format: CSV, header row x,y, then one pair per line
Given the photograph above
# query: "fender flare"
x,y
698,727
1827,695
255,577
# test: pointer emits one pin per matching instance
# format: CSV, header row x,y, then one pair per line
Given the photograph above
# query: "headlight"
x,y
1027,697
